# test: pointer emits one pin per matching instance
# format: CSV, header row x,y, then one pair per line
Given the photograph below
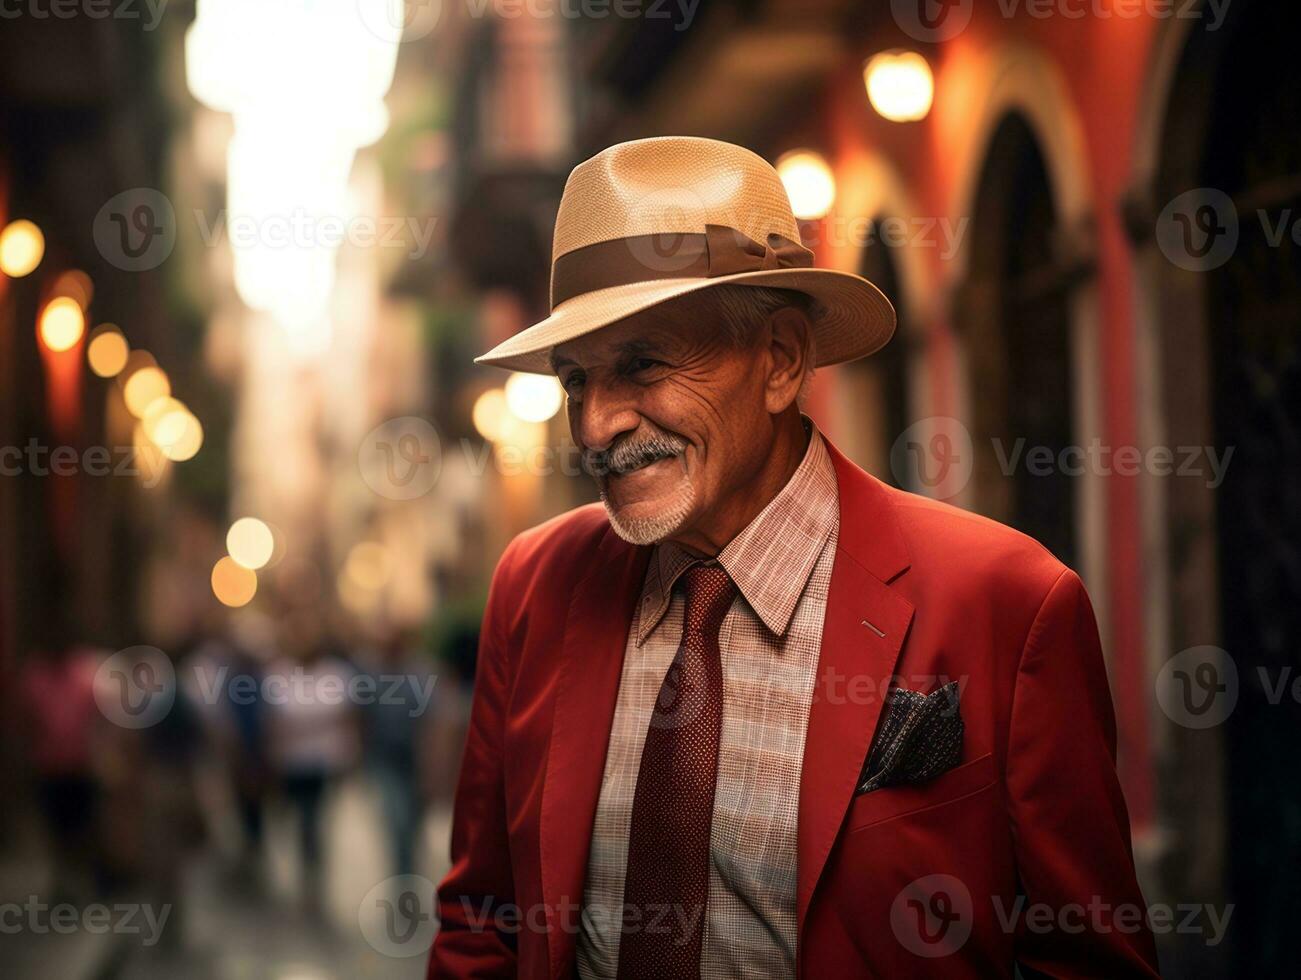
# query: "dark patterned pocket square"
x,y
920,737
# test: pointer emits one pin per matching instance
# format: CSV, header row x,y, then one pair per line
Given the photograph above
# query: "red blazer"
x,y
903,881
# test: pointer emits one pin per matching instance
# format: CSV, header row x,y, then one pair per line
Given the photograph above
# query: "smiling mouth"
x,y
645,480
657,464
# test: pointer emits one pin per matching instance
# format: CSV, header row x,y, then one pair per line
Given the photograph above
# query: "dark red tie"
x,y
667,882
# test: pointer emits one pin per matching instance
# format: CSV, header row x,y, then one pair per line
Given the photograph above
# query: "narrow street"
x,y
225,929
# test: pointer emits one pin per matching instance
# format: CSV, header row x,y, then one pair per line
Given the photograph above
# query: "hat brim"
x,y
856,319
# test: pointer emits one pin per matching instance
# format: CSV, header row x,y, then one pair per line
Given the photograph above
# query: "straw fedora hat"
x,y
650,220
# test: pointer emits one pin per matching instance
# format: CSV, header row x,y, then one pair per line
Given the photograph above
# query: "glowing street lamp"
x,y
809,183
900,85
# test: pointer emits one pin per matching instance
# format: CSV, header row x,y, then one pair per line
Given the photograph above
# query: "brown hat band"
x,y
720,251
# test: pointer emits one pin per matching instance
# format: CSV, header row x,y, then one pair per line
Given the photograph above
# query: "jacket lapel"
x,y
596,633
864,630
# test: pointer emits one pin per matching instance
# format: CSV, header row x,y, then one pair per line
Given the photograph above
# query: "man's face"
x,y
670,415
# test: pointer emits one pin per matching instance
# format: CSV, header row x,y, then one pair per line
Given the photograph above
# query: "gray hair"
x,y
746,308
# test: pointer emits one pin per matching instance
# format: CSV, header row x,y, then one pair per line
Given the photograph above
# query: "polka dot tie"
x,y
667,882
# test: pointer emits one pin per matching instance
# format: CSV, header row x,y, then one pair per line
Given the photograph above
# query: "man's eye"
x,y
643,364
573,384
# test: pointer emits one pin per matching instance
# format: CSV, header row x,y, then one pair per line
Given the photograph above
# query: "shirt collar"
x,y
772,558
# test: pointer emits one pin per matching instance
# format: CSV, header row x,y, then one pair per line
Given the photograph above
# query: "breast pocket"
x,y
880,805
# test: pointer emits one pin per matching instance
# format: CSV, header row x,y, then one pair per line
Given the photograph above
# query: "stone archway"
x,y
1014,314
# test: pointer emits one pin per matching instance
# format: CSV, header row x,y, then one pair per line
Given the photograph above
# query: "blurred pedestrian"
x,y
314,740
169,812
397,727
58,688
226,680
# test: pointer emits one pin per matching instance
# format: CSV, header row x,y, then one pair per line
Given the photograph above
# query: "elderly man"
x,y
758,714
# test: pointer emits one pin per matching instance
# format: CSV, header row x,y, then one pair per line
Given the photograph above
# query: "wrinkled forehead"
x,y
662,330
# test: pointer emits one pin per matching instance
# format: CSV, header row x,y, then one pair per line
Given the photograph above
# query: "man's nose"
x,y
603,414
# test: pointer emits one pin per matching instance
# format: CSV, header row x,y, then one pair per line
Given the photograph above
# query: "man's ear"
x,y
788,351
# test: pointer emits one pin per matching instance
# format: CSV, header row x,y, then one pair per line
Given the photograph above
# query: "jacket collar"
x,y
864,630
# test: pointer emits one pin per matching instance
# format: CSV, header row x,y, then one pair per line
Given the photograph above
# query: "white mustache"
x,y
633,453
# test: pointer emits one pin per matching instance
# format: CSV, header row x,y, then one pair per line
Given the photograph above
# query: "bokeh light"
x,y
809,183
900,85
22,246
144,386
368,565
232,583
172,427
489,414
533,397
62,323
184,435
76,285
158,419
250,542
107,351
